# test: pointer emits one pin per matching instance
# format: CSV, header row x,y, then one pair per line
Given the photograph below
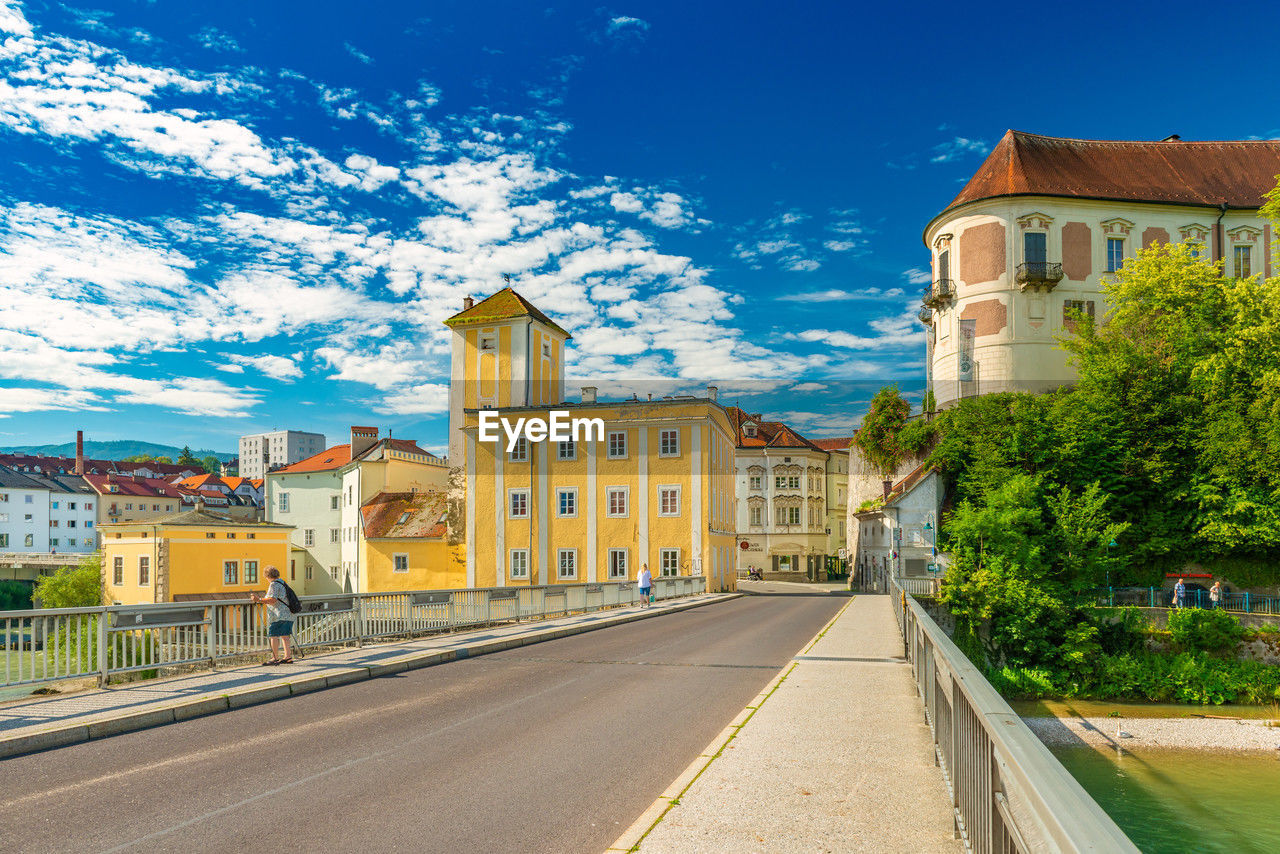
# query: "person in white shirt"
x,y
279,618
646,585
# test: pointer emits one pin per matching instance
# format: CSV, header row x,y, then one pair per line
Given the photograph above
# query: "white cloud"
x,y
231,369
626,24
836,295
918,276
803,387
957,147
359,55
276,367
423,399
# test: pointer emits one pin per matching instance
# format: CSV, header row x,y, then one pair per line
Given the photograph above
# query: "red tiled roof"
x,y
769,434
1236,172
201,481
504,305
407,515
327,460
148,487
834,444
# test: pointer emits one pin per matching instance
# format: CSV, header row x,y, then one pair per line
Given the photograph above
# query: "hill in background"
x,y
117,450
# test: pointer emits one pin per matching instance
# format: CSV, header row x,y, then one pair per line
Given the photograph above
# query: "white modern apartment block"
x,y
24,514
259,452
73,514
1037,231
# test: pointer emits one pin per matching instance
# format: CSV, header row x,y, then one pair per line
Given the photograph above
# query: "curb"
x,y
183,710
632,837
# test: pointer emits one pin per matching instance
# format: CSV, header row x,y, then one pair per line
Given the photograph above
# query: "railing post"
x,y
1246,601
1151,591
1111,597
213,635
359,602
104,661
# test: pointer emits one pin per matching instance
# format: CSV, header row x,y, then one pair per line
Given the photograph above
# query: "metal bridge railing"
x,y
1162,597
1009,793
46,645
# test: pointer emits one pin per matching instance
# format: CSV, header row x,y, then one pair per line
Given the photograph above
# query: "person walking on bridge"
x,y
280,618
645,582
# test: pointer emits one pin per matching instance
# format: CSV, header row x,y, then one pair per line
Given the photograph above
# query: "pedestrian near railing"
x,y
46,645
1159,597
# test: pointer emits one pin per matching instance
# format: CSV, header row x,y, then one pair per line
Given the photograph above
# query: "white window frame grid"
x,y
625,556
663,554
523,571
609,492
283,499
755,482
560,556
670,487
144,570
1106,254
755,516
520,453
793,515
567,450
117,571
308,537
250,578
674,432
562,491
397,558
622,453
511,495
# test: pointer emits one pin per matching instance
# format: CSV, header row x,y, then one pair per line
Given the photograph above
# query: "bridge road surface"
x,y
555,747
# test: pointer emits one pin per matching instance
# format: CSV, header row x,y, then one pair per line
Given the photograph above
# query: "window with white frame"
x,y
335,535
488,342
518,503
230,572
755,482
566,564
1115,253
117,571
617,444
669,443
335,502
1242,258
250,572
616,501
567,501
617,563
518,563
568,450
668,562
399,563
144,571
757,515
668,501
309,537
54,542
546,347
29,540
284,502
793,515
520,453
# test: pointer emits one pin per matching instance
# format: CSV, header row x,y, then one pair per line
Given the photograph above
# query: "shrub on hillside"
x,y
1205,631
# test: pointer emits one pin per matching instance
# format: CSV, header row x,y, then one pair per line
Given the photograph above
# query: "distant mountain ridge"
x,y
116,450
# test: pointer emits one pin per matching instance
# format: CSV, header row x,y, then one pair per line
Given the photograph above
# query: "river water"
x,y
1179,802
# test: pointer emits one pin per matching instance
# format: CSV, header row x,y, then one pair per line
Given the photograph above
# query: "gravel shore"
x,y
1156,733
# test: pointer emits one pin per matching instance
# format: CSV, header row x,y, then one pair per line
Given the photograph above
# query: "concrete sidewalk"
x,y
834,755
42,723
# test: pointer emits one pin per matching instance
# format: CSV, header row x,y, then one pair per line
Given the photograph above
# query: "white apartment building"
x,y
308,495
24,514
73,514
260,452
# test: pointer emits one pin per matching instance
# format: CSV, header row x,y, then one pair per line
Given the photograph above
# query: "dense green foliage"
x,y
15,596
1165,453
71,586
1205,631
211,465
878,436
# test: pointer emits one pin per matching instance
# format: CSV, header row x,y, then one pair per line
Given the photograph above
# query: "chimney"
x,y
888,487
362,439
467,302
199,505
713,393
80,452
588,394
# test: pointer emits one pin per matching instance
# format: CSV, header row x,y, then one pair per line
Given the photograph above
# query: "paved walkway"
x,y
837,758
44,722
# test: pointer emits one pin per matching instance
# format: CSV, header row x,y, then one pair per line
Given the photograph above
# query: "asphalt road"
x,y
555,747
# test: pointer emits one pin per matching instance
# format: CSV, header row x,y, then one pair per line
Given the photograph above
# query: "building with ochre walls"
x,y
655,487
1034,234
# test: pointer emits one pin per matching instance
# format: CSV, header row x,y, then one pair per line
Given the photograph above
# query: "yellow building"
x,y
190,556
647,481
403,544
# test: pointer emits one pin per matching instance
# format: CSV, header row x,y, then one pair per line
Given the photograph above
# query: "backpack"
x,y
290,598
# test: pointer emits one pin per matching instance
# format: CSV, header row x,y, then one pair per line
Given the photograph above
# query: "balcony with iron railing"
x,y
939,293
1038,274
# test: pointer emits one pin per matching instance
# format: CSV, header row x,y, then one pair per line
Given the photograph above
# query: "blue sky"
x,y
221,218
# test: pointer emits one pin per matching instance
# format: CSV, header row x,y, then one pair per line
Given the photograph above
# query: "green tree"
x,y
186,458
165,460
72,586
211,464
878,438
138,458
15,596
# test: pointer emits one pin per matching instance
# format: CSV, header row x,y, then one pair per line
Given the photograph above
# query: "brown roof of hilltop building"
x,y
504,305
1236,172
841,444
409,515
